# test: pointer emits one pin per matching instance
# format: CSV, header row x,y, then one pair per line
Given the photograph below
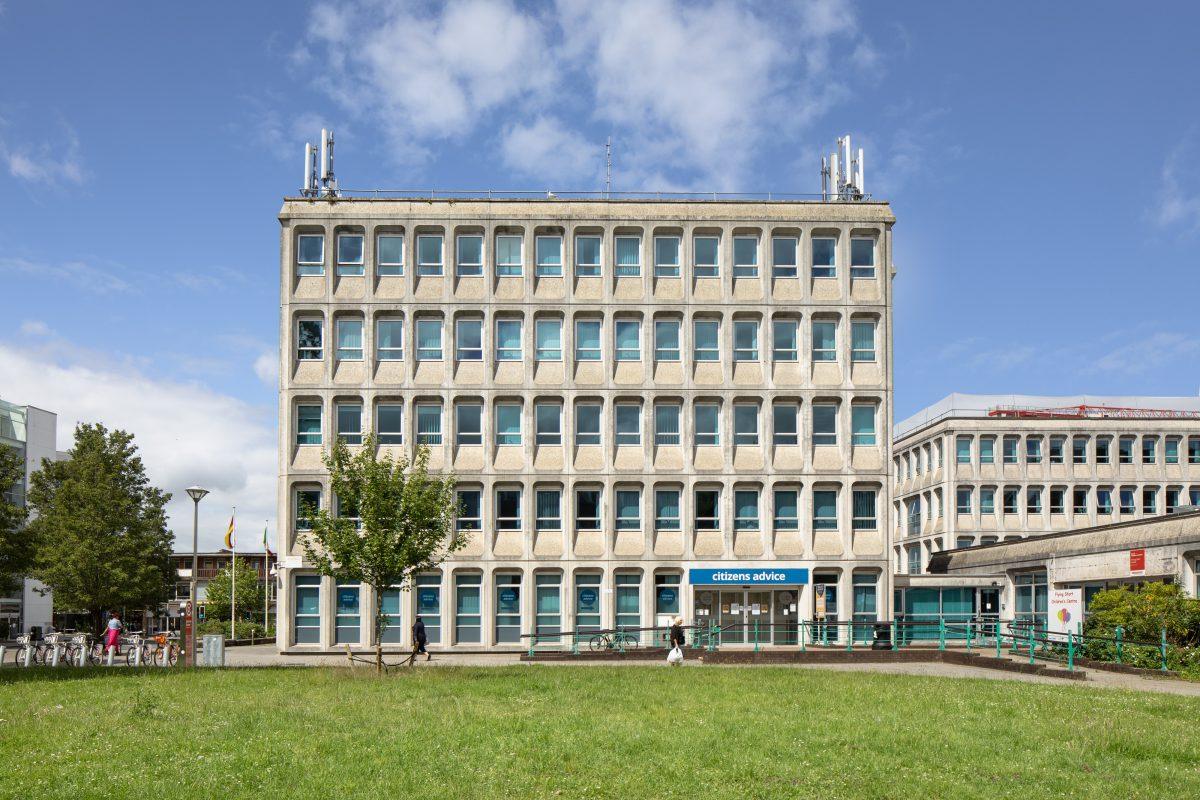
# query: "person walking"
x,y
419,639
678,641
112,634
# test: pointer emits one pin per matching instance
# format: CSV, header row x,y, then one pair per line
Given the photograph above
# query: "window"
x,y
1079,450
629,340
508,340
389,255
708,514
389,423
348,620
787,510
468,424
666,593
308,424
471,510
1125,450
547,423
349,423
629,423
666,510
1103,501
349,339
587,340
508,424
666,340
429,340
1149,500
1033,450
914,560
1194,449
666,256
548,605
1010,449
963,449
824,510
587,510
784,261
429,423
549,510
1127,500
547,335
548,255
629,512
1172,450
745,510
470,255
963,501
862,258
508,255
587,603
308,340
629,256
785,423
508,609
1011,496
705,256
962,542
863,501
587,424
628,600
1103,445
467,608
508,509
350,254
469,339
310,254
987,501
308,501
862,425
987,450
784,340
824,424
1057,447
1057,501
706,334
666,423
1079,500
1149,449
1172,500
429,254
389,340
824,345
1194,496
862,341
745,256
707,424
1033,500
824,257
307,619
745,423
745,340
587,256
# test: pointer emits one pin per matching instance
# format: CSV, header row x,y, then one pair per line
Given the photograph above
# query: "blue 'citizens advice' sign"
x,y
739,576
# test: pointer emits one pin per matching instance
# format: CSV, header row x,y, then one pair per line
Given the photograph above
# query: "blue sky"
x,y
1042,163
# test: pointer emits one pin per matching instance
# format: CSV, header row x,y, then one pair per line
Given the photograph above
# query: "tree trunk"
x,y
378,632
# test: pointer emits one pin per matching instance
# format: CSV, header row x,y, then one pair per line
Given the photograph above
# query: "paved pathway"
x,y
266,655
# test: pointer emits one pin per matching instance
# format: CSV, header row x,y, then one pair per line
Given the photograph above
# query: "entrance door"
x,y
785,618
733,615
758,617
989,610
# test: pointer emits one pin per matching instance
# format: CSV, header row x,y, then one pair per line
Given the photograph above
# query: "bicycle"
x,y
162,651
137,645
80,641
613,640
27,645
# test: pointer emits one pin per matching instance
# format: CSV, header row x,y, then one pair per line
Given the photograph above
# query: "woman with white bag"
x,y
675,657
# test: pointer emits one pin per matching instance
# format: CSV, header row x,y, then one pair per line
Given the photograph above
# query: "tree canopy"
x,y
218,595
1143,612
16,546
100,529
396,520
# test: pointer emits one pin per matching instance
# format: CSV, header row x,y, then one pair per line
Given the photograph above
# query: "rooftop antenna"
x,y
842,173
608,168
309,186
328,180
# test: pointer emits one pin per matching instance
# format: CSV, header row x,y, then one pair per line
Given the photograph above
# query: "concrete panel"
x,y
509,544
509,458
706,290
668,373
629,458
708,373
629,544
589,458
469,458
350,288
390,287
588,288
668,458
308,372
709,544
826,290
309,287
747,374
430,287
748,458
550,289
628,289
471,288
747,290
669,544
509,287
708,459
827,459
549,458
548,544
827,373
827,543
470,373
549,374
350,372
668,289
748,544
509,373
430,373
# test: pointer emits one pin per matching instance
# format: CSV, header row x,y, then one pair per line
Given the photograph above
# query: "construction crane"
x,y
1090,412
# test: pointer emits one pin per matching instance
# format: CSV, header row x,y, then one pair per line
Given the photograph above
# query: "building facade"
x,y
980,469
653,408
32,433
209,564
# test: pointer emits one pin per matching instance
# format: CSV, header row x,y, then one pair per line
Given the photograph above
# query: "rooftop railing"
x,y
550,194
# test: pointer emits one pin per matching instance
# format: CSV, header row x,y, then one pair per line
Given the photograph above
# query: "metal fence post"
x,y
970,633
1031,643
895,643
998,645
801,628
941,633
824,634
1118,632
850,635
1070,652
756,636
1163,649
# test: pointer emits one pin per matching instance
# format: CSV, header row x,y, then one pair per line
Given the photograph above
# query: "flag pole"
x,y
266,581
233,576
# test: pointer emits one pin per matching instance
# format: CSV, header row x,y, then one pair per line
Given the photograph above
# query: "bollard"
x,y
531,641
1163,649
895,644
850,636
137,652
1119,631
54,654
112,653
824,634
28,658
83,651
3,649
574,644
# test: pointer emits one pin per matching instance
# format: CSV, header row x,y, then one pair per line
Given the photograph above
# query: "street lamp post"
x,y
197,494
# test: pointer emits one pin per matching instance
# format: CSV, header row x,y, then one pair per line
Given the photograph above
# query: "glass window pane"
x,y
706,336
824,345
389,340
666,256
705,251
470,339
745,257
824,424
429,340
745,340
350,254
508,340
587,340
508,424
469,423
429,255
548,255
308,340
745,424
547,423
628,335
508,255
784,259
350,339
785,340
548,339
470,255
666,340
389,255
310,254
429,424
707,424
389,423
824,257
629,423
862,341
666,424
587,256
629,256
587,424
862,425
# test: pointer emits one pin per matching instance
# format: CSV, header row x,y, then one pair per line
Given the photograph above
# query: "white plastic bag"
x,y
675,657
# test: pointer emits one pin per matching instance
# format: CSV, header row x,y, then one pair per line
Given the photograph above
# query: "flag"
x,y
229,535
266,547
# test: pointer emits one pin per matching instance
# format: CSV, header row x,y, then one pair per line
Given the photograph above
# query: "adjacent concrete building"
x,y
652,407
980,469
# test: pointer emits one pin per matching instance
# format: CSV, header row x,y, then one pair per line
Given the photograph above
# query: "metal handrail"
x,y
554,194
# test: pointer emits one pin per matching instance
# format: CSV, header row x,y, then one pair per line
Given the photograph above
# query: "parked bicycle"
x,y
613,640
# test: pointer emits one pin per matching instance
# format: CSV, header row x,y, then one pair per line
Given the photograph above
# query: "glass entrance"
x,y
732,616
785,617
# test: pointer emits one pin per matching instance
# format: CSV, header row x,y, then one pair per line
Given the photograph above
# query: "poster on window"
x,y
1065,612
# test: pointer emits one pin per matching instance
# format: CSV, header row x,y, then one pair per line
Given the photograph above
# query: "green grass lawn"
x,y
621,732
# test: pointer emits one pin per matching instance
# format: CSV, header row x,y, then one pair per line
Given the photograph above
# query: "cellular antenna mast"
x,y
607,168
842,173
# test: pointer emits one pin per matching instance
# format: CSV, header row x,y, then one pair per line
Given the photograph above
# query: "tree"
x,y
249,592
16,546
100,529
1143,612
405,523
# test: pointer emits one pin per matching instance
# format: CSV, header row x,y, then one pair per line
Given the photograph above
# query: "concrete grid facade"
x,y
963,478
541,554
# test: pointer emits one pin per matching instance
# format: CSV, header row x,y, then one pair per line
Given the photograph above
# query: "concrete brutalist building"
x,y
653,407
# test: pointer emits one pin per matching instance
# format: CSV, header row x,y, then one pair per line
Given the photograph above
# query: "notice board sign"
x,y
1065,612
1137,561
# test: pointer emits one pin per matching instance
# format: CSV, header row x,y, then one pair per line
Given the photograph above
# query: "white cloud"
x,y
545,148
187,432
45,163
79,274
35,327
1147,352
266,367
1179,189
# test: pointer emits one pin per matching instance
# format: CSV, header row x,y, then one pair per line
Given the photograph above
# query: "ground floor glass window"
x,y
508,609
467,627
428,606
307,618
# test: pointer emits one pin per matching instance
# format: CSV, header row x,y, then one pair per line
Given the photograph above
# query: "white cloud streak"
x,y
1179,189
81,275
44,163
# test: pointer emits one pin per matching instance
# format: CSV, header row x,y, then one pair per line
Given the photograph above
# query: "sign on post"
x,y
1065,612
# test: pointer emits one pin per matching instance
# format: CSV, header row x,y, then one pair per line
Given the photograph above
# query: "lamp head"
x,y
196,493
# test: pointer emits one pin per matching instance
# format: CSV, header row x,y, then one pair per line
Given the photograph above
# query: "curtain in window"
x,y
786,509
747,508
508,340
863,336
666,509
825,509
549,251
785,335
628,515
864,505
627,252
745,339
706,341
824,336
391,335
706,420
666,338
548,505
627,337
548,334
429,419
666,424
429,335
508,251
350,334
508,424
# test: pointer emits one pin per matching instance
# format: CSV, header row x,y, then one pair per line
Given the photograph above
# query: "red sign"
x,y
1137,562
188,633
